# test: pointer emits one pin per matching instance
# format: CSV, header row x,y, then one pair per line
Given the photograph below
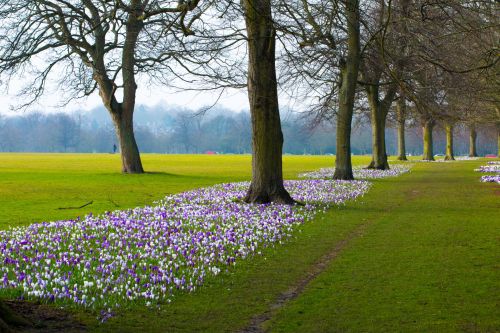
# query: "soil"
x,y
43,318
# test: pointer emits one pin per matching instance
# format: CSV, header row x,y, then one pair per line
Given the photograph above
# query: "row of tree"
x,y
437,59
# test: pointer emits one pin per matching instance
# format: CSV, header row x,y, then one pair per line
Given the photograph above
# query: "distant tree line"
x,y
220,131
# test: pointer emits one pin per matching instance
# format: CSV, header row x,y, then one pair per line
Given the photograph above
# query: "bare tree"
x,y
321,64
349,68
401,115
267,137
375,59
96,45
458,39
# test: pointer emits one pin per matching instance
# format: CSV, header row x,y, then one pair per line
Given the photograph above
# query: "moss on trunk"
x,y
401,118
378,111
428,143
498,140
449,156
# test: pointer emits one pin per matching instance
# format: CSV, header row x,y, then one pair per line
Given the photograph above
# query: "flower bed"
x,y
466,158
491,179
147,254
359,172
489,168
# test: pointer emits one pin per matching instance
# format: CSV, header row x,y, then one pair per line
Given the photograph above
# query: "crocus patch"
x,y
491,179
359,172
466,158
148,254
489,168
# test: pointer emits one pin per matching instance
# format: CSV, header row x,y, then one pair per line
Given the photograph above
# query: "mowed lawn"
x,y
47,187
418,253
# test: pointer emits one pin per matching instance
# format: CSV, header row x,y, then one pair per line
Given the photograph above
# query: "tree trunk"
x,y
124,128
449,143
472,141
267,138
122,117
122,113
498,140
379,154
401,115
349,76
428,144
497,109
378,117
379,110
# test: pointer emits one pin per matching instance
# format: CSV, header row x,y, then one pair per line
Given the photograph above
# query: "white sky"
x,y
235,100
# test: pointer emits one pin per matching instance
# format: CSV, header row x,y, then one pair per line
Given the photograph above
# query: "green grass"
x,y
427,260
33,187
428,263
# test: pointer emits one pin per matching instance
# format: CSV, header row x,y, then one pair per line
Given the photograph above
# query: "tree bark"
x,y
349,75
498,140
267,137
428,144
472,141
378,119
124,128
122,113
449,143
401,115
379,110
497,109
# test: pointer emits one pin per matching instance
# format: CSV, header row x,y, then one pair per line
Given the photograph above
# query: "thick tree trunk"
x,y
122,117
349,76
498,140
379,110
379,154
378,117
343,164
472,141
428,144
449,143
497,109
401,114
124,128
122,113
267,137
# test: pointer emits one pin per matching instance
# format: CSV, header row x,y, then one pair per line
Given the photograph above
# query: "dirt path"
x,y
257,323
42,318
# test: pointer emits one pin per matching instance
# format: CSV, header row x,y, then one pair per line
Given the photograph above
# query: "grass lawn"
x,y
34,187
420,252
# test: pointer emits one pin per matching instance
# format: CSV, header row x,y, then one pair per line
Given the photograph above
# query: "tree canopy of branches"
x,y
321,61
100,45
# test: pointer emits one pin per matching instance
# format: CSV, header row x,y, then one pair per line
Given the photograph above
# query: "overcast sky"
x,y
235,100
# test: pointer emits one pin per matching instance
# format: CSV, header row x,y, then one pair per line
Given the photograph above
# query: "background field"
x,y
33,187
418,253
